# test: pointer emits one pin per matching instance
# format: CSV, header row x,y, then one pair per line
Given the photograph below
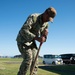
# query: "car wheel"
x,y
44,62
53,63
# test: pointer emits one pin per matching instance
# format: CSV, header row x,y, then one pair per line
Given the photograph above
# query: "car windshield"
x,y
52,56
56,56
73,55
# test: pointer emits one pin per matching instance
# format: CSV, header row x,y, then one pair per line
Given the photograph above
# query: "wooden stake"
x,y
31,72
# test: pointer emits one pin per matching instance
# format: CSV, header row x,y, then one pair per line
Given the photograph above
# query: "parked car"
x,y
68,58
52,59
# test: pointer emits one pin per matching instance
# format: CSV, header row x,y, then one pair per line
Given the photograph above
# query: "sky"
x,y
61,36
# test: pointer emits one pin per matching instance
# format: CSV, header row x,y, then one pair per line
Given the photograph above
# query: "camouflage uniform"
x,y
32,27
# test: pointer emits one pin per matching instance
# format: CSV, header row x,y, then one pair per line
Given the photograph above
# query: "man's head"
x,y
49,14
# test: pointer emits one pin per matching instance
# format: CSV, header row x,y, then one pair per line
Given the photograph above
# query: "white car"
x,y
52,59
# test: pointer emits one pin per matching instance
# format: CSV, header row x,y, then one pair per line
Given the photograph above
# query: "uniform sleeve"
x,y
25,30
45,26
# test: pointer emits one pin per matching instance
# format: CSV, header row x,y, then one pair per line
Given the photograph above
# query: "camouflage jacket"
x,y
31,28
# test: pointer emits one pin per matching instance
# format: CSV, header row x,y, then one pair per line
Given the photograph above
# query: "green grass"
x,y
10,66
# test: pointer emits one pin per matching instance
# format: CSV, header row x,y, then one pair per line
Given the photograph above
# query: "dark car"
x,y
68,58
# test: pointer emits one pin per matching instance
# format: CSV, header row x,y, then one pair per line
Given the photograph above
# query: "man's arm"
x,y
25,30
43,37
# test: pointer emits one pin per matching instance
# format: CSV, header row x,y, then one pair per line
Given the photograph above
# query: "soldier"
x,y
35,28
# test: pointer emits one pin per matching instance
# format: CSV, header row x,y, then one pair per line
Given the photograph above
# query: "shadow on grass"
x,y
60,69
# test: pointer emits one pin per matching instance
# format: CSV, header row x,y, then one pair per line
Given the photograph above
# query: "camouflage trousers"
x,y
28,54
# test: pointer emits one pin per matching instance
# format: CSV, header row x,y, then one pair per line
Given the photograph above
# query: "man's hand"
x,y
40,39
43,37
45,33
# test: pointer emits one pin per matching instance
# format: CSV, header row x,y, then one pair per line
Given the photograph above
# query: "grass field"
x,y
10,66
